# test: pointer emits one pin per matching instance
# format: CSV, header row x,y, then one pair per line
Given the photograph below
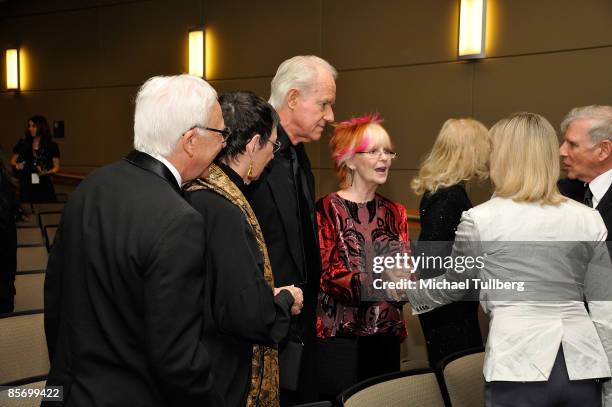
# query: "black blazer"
x,y
575,189
274,201
294,258
123,292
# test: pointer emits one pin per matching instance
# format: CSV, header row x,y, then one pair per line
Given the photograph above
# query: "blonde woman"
x,y
460,153
544,347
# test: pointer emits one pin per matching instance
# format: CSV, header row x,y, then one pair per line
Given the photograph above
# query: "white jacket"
x,y
526,330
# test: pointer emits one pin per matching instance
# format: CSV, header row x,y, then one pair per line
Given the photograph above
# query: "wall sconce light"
x,y
12,68
472,26
196,53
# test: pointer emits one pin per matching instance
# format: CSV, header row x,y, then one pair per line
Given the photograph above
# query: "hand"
x,y
19,166
298,298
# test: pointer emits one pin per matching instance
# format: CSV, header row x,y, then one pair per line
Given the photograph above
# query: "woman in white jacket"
x,y
540,255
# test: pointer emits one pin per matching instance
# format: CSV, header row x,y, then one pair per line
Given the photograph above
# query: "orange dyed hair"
x,y
353,136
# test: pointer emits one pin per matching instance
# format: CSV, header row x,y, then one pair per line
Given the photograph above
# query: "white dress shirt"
x,y
600,185
526,332
172,169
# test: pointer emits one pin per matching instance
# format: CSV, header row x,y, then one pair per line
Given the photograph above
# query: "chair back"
x,y
413,388
29,289
23,347
32,258
464,378
29,236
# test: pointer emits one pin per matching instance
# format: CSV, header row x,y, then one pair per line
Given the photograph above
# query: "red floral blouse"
x,y
346,230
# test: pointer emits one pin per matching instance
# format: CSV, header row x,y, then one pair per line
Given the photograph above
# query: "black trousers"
x,y
558,391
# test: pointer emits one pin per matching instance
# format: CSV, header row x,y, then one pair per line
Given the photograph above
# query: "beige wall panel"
x,y
246,38
365,33
547,84
527,26
414,101
98,122
106,46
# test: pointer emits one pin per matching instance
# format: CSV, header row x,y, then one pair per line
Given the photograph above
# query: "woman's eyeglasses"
x,y
276,145
379,154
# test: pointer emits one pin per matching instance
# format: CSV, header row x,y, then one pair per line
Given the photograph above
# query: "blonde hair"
x,y
460,152
525,159
353,136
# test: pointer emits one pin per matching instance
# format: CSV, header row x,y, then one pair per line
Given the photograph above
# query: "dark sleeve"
x,y
53,291
54,151
439,224
18,147
244,304
173,287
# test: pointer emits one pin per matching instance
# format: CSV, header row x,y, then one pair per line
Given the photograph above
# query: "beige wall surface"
x,y
83,61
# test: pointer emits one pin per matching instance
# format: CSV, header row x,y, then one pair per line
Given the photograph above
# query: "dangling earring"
x,y
250,171
352,175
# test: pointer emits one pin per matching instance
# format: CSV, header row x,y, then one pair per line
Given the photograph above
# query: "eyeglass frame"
x,y
378,154
276,146
225,133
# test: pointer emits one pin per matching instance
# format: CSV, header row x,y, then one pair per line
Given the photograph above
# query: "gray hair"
x,y
601,129
167,107
298,72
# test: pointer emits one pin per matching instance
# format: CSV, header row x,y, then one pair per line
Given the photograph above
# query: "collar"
x,y
600,185
283,138
171,167
232,175
155,166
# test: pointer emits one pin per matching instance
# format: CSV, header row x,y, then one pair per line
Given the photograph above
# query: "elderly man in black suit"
x,y
303,92
587,157
124,284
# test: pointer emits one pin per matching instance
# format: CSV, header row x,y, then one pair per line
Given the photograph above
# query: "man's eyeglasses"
x,y
225,133
276,145
379,153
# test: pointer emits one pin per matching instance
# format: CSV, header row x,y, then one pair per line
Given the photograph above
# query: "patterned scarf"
x,y
264,363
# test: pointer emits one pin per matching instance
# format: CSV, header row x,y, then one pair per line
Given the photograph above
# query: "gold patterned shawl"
x,y
264,364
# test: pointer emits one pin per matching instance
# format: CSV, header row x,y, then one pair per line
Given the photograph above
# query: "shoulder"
x,y
210,202
389,204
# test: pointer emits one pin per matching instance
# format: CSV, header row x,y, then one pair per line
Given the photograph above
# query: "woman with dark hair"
x,y
245,314
36,158
8,235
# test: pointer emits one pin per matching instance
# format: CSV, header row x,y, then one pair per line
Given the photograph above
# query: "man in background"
x,y
303,92
124,283
586,152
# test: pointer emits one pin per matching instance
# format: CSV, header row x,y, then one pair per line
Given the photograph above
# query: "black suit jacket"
x,y
575,189
294,258
123,292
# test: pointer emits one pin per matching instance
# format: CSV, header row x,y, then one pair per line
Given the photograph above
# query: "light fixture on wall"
x,y
472,26
12,68
196,53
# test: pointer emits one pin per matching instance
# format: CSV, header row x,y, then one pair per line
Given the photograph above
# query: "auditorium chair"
x,y
30,291
32,258
410,388
23,348
463,377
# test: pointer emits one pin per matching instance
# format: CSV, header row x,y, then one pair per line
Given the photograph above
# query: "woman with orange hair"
x,y
361,339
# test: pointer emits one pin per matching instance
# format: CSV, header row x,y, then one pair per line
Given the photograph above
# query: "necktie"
x,y
588,197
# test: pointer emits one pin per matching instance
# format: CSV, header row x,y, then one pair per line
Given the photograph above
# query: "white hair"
x,y
601,128
299,72
167,107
